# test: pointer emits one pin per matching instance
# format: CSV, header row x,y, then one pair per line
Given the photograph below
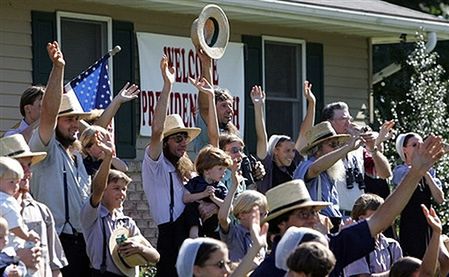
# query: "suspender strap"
x,y
66,202
172,201
103,259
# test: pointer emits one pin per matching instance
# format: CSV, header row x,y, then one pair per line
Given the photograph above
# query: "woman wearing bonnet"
x,y
414,233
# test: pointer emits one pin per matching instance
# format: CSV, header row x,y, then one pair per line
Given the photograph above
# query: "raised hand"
x,y
104,144
386,132
432,219
55,54
258,232
168,73
203,85
308,94
127,93
427,154
257,95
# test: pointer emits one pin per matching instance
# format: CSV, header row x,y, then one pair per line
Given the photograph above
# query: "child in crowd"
x,y
236,233
93,154
9,265
387,250
210,165
102,214
310,259
11,173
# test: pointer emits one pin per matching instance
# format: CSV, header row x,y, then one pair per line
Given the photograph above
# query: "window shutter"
x,y
43,26
253,76
124,68
315,74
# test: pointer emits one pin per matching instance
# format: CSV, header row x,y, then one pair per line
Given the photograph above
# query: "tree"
x,y
424,109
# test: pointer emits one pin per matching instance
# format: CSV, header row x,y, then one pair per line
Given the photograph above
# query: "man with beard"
x,y
60,180
324,166
353,185
165,169
36,215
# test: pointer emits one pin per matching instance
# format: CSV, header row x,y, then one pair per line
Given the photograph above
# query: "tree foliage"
x,y
420,105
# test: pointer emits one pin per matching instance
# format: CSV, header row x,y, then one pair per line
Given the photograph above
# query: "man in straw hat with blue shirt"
x,y
60,180
290,205
165,168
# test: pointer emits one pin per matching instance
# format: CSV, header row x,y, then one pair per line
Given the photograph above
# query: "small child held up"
x,y
11,173
9,264
211,164
102,215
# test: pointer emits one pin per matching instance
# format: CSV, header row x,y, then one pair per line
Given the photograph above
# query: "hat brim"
x,y
118,261
217,50
191,132
319,205
36,157
81,115
342,138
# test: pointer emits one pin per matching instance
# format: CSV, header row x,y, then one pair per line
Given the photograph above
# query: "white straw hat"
x,y
319,133
174,124
16,147
210,31
71,106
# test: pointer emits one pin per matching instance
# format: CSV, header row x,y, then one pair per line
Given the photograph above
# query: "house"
x,y
284,42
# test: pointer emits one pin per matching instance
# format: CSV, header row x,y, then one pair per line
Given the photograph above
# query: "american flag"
x,y
92,87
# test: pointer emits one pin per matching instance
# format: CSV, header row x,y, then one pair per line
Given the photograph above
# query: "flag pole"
x,y
114,51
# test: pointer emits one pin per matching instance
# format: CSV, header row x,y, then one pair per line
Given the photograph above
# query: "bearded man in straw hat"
x,y
325,167
37,216
165,168
290,205
60,180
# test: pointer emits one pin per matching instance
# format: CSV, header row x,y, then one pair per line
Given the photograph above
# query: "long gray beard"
x,y
337,172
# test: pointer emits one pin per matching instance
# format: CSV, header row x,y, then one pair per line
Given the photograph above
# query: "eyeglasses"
x,y
235,150
180,137
221,264
348,118
305,214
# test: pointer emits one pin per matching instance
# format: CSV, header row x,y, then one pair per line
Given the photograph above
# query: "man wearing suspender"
x,y
165,167
60,180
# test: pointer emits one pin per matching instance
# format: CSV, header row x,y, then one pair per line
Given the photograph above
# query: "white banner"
x,y
227,73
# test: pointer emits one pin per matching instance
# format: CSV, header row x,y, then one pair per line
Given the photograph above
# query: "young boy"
x,y
210,165
386,251
11,173
102,214
236,234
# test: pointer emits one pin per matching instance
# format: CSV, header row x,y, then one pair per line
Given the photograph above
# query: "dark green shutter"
x,y
124,67
43,26
253,76
315,74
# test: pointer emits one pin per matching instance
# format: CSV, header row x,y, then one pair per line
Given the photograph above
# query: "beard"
x,y
337,172
66,141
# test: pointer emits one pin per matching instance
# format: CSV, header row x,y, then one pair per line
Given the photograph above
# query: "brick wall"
x,y
136,205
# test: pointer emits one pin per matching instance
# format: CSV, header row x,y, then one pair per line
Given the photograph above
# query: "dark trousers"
x,y
97,273
169,240
75,251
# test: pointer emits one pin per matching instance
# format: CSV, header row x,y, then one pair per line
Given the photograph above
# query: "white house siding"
x,y
345,67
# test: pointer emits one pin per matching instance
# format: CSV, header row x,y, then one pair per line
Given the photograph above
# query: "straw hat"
x,y
290,196
127,265
321,132
16,147
174,124
210,31
71,106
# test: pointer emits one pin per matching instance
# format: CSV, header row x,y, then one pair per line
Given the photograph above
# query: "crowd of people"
x,y
314,206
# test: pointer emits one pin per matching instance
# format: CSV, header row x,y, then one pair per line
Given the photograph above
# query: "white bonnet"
x,y
273,141
187,255
290,240
400,143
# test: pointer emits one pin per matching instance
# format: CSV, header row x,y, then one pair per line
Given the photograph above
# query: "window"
x,y
84,39
283,76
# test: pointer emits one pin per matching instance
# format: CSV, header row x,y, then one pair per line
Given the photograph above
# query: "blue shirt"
x,y
328,189
198,184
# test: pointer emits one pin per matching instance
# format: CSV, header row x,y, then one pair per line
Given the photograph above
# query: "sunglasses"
x,y
180,137
412,145
305,214
334,144
235,150
221,264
